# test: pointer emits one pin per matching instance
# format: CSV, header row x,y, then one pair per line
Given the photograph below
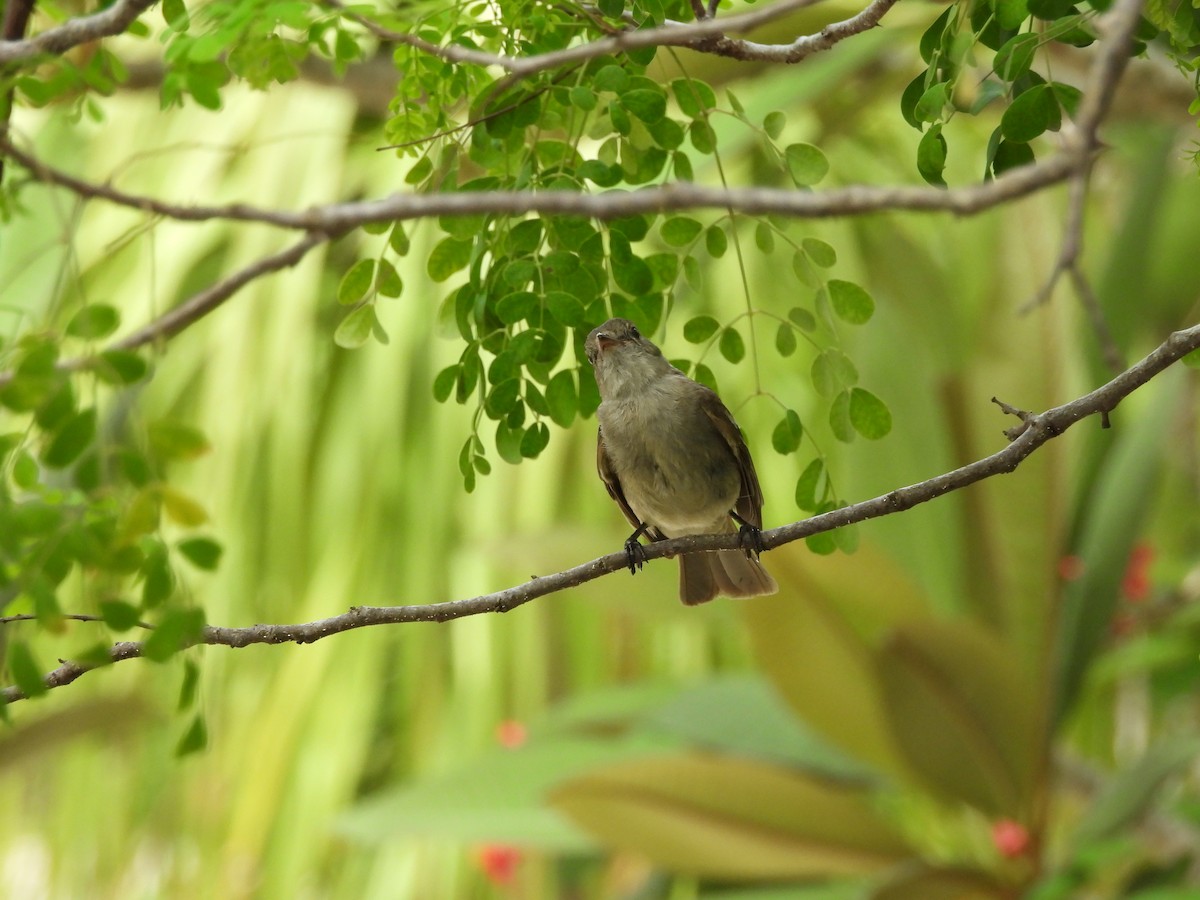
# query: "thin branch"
x,y
74,617
706,35
73,32
1036,430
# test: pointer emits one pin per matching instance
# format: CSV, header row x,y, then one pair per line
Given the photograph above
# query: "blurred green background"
x,y
507,756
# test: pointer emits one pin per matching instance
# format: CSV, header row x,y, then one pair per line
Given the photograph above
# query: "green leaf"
x,y
764,237
566,308
355,283
190,686
443,385
715,241
933,101
693,97
583,98
851,302
94,322
203,553
1031,114
832,372
1011,13
561,398
727,818
774,124
869,415
611,78
700,329
175,14
731,345
387,280
964,713
119,615
502,398
536,437
802,319
1011,156
194,739
1068,97
648,105
71,440
821,253
516,307
839,418
355,330
931,156
909,98
448,257
159,579
25,670
785,339
806,164
679,231
176,440
179,628
1016,56
811,486
786,436
702,136
120,367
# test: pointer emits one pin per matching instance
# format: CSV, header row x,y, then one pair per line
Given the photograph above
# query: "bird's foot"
x,y
635,555
750,539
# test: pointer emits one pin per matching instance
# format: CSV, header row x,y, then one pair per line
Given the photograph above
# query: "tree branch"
x,y
73,32
1035,430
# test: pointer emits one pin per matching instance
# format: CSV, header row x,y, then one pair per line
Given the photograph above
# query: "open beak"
x,y
604,341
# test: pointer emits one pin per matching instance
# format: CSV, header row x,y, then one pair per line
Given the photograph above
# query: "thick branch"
x,y
1037,430
73,32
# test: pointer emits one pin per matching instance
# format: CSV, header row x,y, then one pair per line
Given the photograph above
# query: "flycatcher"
x,y
675,461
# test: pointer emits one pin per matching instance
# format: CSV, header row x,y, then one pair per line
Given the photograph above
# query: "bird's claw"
x,y
750,540
635,555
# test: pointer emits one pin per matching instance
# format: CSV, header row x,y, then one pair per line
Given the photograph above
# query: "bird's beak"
x,y
604,341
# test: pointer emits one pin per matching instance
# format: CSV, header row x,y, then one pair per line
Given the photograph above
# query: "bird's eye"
x,y
635,332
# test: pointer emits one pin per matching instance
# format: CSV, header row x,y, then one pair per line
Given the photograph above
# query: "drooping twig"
x,y
1036,430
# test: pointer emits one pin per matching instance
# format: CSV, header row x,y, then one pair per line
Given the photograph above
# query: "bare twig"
x,y
1036,430
73,32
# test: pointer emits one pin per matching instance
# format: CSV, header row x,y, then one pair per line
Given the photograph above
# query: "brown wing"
x,y
750,501
609,477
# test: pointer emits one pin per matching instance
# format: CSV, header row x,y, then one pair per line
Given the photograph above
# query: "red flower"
x,y
1011,838
511,734
499,863
1136,583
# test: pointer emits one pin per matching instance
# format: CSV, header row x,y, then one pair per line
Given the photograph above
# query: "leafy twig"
x,y
73,32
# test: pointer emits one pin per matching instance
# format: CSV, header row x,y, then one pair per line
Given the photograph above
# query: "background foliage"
x,y
994,695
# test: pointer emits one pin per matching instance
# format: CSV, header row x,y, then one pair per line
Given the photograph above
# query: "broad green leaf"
x,y
566,308
561,398
851,302
170,439
679,231
647,105
175,14
356,282
731,345
715,241
933,101
583,98
821,253
926,882
71,440
203,553
764,237
119,615
93,322
869,415
179,628
120,367
965,713
785,339
387,280
612,79
25,670
774,124
693,97
516,307
1011,156
802,319
838,610
700,329
158,579
931,156
181,508
806,164
702,136
194,739
812,486
932,38
1011,13
355,330
448,257
1031,114
1016,56
535,439
731,818
443,385
832,372
839,418
786,436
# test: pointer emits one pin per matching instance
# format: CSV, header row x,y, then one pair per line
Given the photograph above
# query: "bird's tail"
x,y
729,573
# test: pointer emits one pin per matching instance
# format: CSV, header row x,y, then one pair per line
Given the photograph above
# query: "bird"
x,y
674,460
